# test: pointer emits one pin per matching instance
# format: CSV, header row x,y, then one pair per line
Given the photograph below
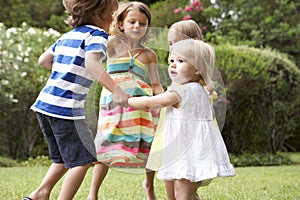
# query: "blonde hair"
x,y
122,12
82,12
199,54
187,29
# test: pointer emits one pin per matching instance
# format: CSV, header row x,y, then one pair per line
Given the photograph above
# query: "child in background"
x,y
189,29
193,149
125,134
75,61
186,29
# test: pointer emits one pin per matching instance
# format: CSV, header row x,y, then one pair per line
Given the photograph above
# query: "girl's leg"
x,y
169,185
148,185
185,189
54,174
72,182
99,173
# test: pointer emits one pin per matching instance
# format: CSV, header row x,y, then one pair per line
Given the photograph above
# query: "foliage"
x,y
21,80
37,13
163,12
260,24
37,161
7,162
263,98
92,106
247,159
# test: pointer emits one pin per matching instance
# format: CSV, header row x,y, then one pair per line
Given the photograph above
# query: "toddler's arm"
x,y
156,102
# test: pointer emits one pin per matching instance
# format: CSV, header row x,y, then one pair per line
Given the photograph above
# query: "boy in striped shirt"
x,y
75,61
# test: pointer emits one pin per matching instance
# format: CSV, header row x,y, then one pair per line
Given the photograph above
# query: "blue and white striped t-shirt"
x,y
66,89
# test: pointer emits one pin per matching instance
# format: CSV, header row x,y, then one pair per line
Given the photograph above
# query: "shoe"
x,y
26,198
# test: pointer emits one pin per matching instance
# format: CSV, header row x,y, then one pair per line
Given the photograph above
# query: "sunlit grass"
x,y
251,183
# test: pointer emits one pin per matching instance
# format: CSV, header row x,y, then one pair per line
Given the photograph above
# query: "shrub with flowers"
x,y
191,11
21,78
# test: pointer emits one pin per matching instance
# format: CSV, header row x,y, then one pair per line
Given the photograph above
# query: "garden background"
x,y
258,56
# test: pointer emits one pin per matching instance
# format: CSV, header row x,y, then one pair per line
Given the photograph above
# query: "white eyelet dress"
x,y
191,145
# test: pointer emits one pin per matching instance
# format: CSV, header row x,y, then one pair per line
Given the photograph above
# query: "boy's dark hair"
x,y
83,11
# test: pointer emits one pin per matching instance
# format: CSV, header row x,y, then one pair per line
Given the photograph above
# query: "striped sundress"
x,y
125,135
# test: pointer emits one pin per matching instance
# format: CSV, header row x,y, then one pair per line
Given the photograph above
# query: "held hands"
x,y
119,96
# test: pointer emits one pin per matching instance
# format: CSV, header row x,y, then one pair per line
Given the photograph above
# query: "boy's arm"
x,y
94,67
155,102
46,60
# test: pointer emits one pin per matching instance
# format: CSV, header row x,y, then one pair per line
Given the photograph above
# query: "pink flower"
x,y
200,8
187,17
204,28
177,10
196,3
188,9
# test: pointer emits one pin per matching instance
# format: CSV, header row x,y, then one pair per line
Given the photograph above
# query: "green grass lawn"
x,y
253,183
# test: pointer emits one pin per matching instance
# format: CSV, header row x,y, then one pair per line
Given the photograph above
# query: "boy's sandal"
x,y
26,198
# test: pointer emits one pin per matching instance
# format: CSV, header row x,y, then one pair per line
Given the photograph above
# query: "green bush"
x,y
7,162
263,98
37,161
21,79
247,159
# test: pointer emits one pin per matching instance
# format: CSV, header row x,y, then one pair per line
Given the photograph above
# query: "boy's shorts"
x,y
69,141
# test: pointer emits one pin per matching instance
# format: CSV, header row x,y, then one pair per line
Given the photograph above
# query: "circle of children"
x,y
187,148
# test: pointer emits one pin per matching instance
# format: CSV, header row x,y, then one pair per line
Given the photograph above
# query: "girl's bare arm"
x,y
153,73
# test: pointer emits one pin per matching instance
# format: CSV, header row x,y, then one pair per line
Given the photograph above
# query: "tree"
x,y
261,23
36,13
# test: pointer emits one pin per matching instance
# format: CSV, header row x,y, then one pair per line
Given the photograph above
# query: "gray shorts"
x,y
69,141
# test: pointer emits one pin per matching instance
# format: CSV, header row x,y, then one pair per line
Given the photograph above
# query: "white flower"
x,y
53,32
4,53
31,31
26,60
24,24
24,74
16,67
14,100
20,47
5,82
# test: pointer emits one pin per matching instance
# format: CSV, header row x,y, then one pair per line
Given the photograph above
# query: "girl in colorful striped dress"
x,y
125,134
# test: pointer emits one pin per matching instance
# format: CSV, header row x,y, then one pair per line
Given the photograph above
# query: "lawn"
x,y
251,183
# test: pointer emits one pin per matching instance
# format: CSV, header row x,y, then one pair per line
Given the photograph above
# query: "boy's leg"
x,y
54,174
99,173
169,185
72,182
148,185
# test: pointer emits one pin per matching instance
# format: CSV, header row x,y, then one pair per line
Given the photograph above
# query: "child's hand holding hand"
x,y
119,96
